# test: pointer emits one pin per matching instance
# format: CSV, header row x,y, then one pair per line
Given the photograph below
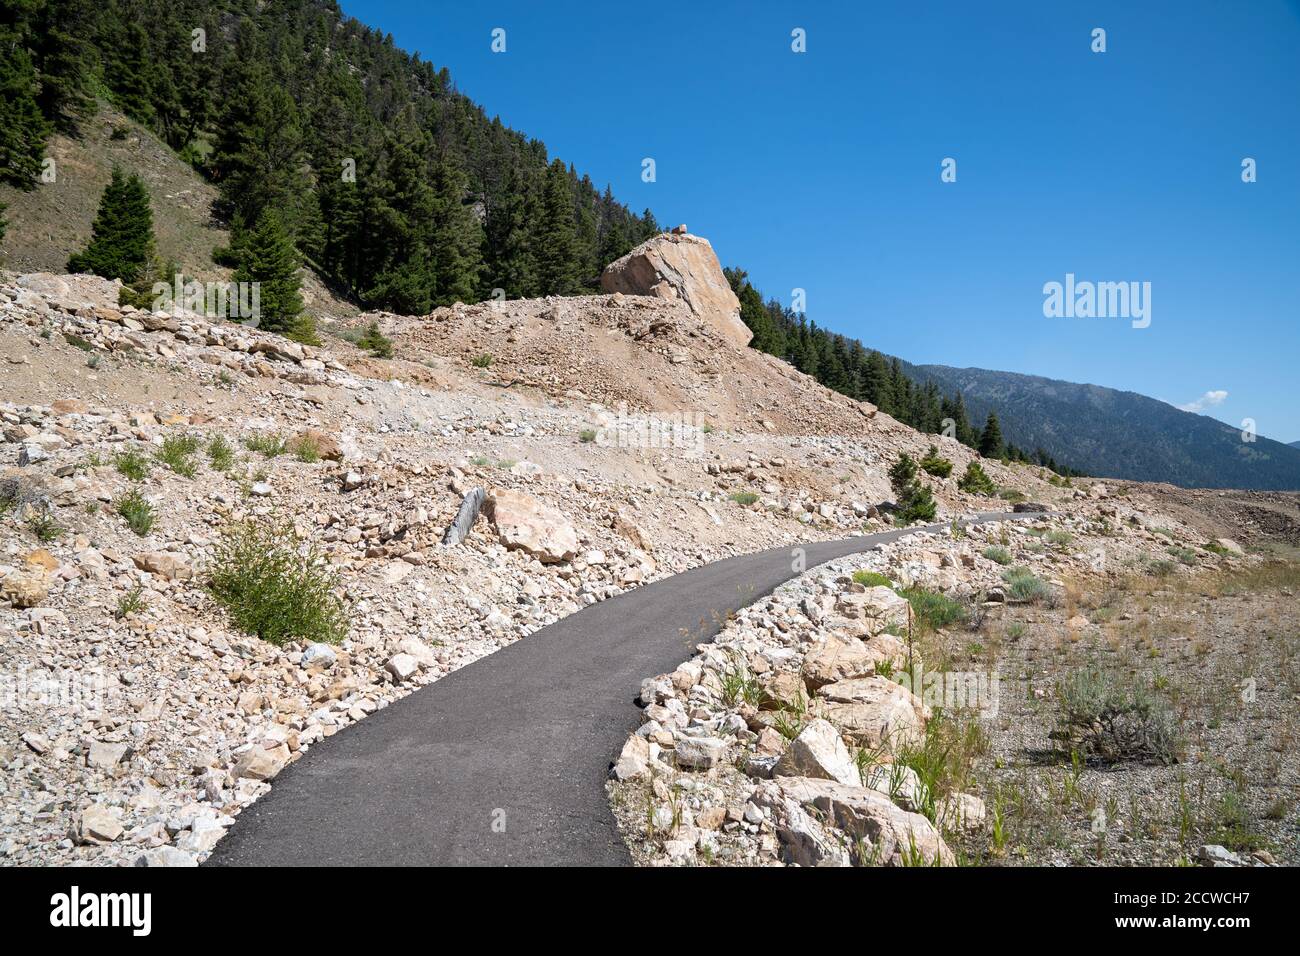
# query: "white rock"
x,y
819,752
402,666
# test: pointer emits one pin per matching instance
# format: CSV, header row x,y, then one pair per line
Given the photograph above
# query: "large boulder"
x,y
819,752
680,266
877,608
887,834
842,657
524,523
872,711
72,292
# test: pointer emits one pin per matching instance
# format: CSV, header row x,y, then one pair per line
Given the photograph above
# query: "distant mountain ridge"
x,y
1117,434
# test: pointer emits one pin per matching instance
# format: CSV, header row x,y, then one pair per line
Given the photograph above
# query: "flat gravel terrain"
x,y
503,762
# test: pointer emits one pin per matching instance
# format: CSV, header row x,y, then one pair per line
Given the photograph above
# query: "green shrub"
x,y
43,525
744,497
1184,555
871,579
1011,495
76,341
132,464
267,444
975,481
916,504
1056,536
935,465
177,453
998,555
1024,585
270,590
305,448
1161,568
902,475
935,610
221,454
481,361
378,344
137,511
587,435
1108,719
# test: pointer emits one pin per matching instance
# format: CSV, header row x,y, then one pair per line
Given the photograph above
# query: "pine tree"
x,y
4,223
916,504
63,58
935,464
991,438
976,481
554,241
22,127
507,253
269,258
457,237
902,474
121,240
129,74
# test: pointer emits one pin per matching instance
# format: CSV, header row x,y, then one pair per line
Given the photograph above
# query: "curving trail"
x,y
523,737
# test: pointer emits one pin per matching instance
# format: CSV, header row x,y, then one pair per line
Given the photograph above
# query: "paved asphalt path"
x,y
503,762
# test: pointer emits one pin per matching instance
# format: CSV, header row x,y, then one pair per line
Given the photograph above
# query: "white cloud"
x,y
1208,400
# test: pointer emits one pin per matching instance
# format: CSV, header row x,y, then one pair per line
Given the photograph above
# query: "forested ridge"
x,y
399,191
849,367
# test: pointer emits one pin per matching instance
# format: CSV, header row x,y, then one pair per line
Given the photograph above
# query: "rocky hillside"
x,y
611,439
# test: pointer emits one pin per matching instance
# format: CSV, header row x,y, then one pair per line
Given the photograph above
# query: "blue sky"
x,y
821,170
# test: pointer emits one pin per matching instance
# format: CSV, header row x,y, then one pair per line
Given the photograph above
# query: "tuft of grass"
x,y
481,361
740,686
789,724
1183,555
1107,719
43,525
76,341
177,453
130,603
587,435
1057,536
132,464
137,512
944,758
305,448
1011,494
267,444
221,454
744,497
270,589
998,555
870,579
